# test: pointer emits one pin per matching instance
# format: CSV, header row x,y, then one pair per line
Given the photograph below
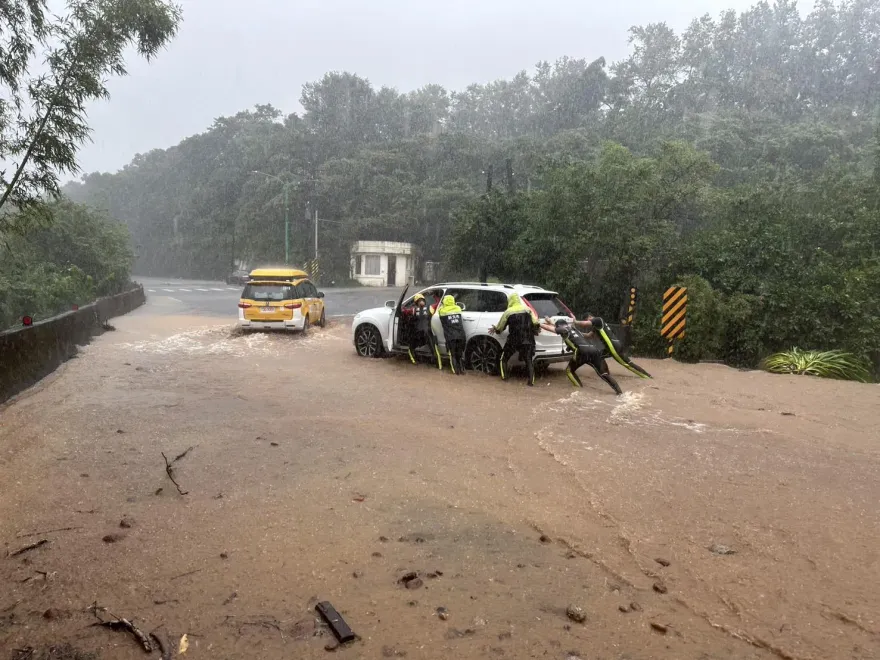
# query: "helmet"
x,y
418,297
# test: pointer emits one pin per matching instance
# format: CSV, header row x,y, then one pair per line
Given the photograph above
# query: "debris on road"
x,y
165,649
334,619
663,562
124,625
28,548
411,580
126,522
660,588
443,613
113,538
719,549
50,531
169,470
659,627
576,613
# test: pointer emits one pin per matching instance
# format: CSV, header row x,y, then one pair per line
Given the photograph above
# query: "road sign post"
x,y
674,319
631,307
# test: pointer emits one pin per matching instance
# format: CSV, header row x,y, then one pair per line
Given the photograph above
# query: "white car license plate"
x,y
267,310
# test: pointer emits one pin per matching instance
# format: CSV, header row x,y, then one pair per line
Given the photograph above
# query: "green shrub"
x,y
825,364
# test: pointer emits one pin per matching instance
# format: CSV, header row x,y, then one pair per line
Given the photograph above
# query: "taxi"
x,y
280,299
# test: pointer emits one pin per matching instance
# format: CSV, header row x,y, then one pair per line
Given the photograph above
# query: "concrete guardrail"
x,y
31,353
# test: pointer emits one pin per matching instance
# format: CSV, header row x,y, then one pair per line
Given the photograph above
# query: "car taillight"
x,y
244,305
292,305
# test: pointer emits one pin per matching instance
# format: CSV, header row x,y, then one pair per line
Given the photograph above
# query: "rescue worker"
x,y
584,351
614,348
453,333
421,333
523,325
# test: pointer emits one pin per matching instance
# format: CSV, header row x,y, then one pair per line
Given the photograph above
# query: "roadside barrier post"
x,y
674,318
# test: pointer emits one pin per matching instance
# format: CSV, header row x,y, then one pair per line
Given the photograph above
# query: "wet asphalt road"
x,y
206,298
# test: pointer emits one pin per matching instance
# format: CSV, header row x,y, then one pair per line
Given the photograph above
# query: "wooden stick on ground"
x,y
170,472
30,547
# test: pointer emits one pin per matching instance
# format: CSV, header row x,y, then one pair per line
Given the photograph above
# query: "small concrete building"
x,y
383,263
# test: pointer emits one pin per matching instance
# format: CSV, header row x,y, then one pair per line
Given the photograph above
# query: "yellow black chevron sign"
x,y
674,314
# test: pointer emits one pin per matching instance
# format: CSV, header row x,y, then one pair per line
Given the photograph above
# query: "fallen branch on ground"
x,y
48,531
170,472
165,649
182,575
30,547
118,623
179,456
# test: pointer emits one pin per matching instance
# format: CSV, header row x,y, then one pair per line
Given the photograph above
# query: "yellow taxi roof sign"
x,y
281,274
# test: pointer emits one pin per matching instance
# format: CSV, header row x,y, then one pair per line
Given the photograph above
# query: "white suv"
x,y
377,332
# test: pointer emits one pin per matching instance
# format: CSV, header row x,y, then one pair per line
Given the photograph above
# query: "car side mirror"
x,y
391,304
463,307
320,294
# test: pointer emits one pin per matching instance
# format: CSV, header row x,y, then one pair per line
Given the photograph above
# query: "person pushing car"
x,y
453,333
523,325
583,351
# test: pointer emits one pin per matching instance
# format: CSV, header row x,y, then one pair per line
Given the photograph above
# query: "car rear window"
x,y
547,304
276,292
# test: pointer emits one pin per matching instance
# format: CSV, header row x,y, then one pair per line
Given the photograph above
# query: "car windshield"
x,y
275,292
547,304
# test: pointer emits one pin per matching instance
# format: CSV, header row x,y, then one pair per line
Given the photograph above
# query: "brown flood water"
x,y
317,475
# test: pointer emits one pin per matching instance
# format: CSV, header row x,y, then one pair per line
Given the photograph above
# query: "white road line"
x,y
340,316
231,288
187,290
213,289
175,299
202,289
168,290
151,290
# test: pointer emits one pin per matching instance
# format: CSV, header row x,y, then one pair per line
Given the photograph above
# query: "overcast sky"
x,y
233,54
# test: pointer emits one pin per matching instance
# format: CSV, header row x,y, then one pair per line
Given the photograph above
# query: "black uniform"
x,y
520,339
584,353
453,333
421,334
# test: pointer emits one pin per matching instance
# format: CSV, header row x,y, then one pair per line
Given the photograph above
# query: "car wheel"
x,y
367,342
483,354
305,329
323,322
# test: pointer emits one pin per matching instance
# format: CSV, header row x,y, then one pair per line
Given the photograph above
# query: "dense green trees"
x,y
741,156
82,255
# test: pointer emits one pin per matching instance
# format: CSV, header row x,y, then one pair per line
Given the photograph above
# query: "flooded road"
x,y
709,513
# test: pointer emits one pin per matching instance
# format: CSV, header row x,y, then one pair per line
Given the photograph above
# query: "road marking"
x,y
187,290
174,299
202,289
231,288
340,316
213,289
168,290
151,290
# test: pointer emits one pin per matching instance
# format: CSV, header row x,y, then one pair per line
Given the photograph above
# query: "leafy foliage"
x,y
825,364
42,117
83,255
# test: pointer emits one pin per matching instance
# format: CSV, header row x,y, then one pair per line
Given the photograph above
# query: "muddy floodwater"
x,y
708,513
